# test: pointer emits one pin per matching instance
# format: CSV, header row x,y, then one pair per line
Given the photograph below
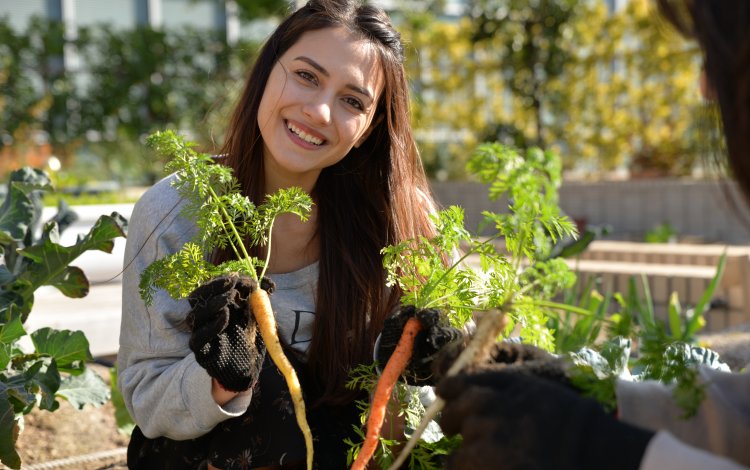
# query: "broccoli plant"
x,y
639,346
56,367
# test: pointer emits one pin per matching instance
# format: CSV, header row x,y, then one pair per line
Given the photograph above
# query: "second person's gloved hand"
x,y
512,357
435,335
519,421
224,334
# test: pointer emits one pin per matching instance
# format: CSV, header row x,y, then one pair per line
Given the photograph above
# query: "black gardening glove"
x,y
526,359
518,421
436,333
512,357
225,336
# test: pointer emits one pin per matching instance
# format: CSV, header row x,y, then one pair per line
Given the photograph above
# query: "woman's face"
x,y
319,102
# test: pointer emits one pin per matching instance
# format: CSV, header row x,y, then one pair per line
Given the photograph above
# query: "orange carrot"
x,y
263,312
391,372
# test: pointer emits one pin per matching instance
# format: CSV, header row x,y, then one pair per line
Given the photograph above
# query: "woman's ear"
x,y
375,122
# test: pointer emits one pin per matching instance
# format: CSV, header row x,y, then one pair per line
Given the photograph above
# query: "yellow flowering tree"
x,y
603,89
632,94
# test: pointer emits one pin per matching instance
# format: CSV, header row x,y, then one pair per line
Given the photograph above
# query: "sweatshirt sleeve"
x,y
165,390
664,452
721,425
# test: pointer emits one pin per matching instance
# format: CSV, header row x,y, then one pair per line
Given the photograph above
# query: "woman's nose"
x,y
319,111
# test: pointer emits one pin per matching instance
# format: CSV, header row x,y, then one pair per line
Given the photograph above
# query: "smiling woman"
x,y
324,108
318,104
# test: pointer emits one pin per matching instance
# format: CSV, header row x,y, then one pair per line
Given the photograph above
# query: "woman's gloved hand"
x,y
224,334
436,333
519,421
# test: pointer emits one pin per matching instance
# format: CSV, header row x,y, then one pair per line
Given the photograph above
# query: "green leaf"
x,y
575,247
16,385
29,179
178,274
8,431
675,311
16,217
689,393
65,216
5,354
87,388
43,379
600,366
125,422
70,349
50,260
706,357
695,322
34,381
225,218
648,302
14,305
5,275
18,211
617,353
71,282
10,332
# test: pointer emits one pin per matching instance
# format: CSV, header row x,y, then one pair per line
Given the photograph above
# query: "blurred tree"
x,y
143,80
442,71
127,84
631,94
531,46
253,9
20,104
39,100
604,89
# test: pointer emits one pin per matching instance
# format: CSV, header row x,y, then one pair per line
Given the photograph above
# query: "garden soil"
x,y
72,435
71,438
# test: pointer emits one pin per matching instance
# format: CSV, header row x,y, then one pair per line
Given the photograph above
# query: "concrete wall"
x,y
698,210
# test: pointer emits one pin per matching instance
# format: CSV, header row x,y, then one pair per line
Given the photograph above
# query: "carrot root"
x,y
391,372
488,330
261,305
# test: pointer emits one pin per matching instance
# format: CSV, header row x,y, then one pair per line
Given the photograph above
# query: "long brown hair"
x,y
375,196
722,29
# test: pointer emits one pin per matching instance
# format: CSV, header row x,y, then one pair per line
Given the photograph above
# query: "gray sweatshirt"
x,y
721,426
165,390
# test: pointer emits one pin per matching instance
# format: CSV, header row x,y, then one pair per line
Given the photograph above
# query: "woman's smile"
x,y
304,136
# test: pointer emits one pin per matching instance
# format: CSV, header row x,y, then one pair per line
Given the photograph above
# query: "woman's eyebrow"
x,y
325,72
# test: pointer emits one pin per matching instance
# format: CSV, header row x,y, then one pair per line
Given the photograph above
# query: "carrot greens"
x,y
225,219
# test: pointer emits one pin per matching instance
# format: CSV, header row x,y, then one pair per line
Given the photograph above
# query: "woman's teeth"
x,y
302,135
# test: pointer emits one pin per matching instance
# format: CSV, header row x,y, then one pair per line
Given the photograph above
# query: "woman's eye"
x,y
306,76
354,102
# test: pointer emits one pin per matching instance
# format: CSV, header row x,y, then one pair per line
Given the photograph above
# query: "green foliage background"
x,y
603,89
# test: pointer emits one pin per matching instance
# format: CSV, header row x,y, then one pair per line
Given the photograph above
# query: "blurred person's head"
x,y
722,30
